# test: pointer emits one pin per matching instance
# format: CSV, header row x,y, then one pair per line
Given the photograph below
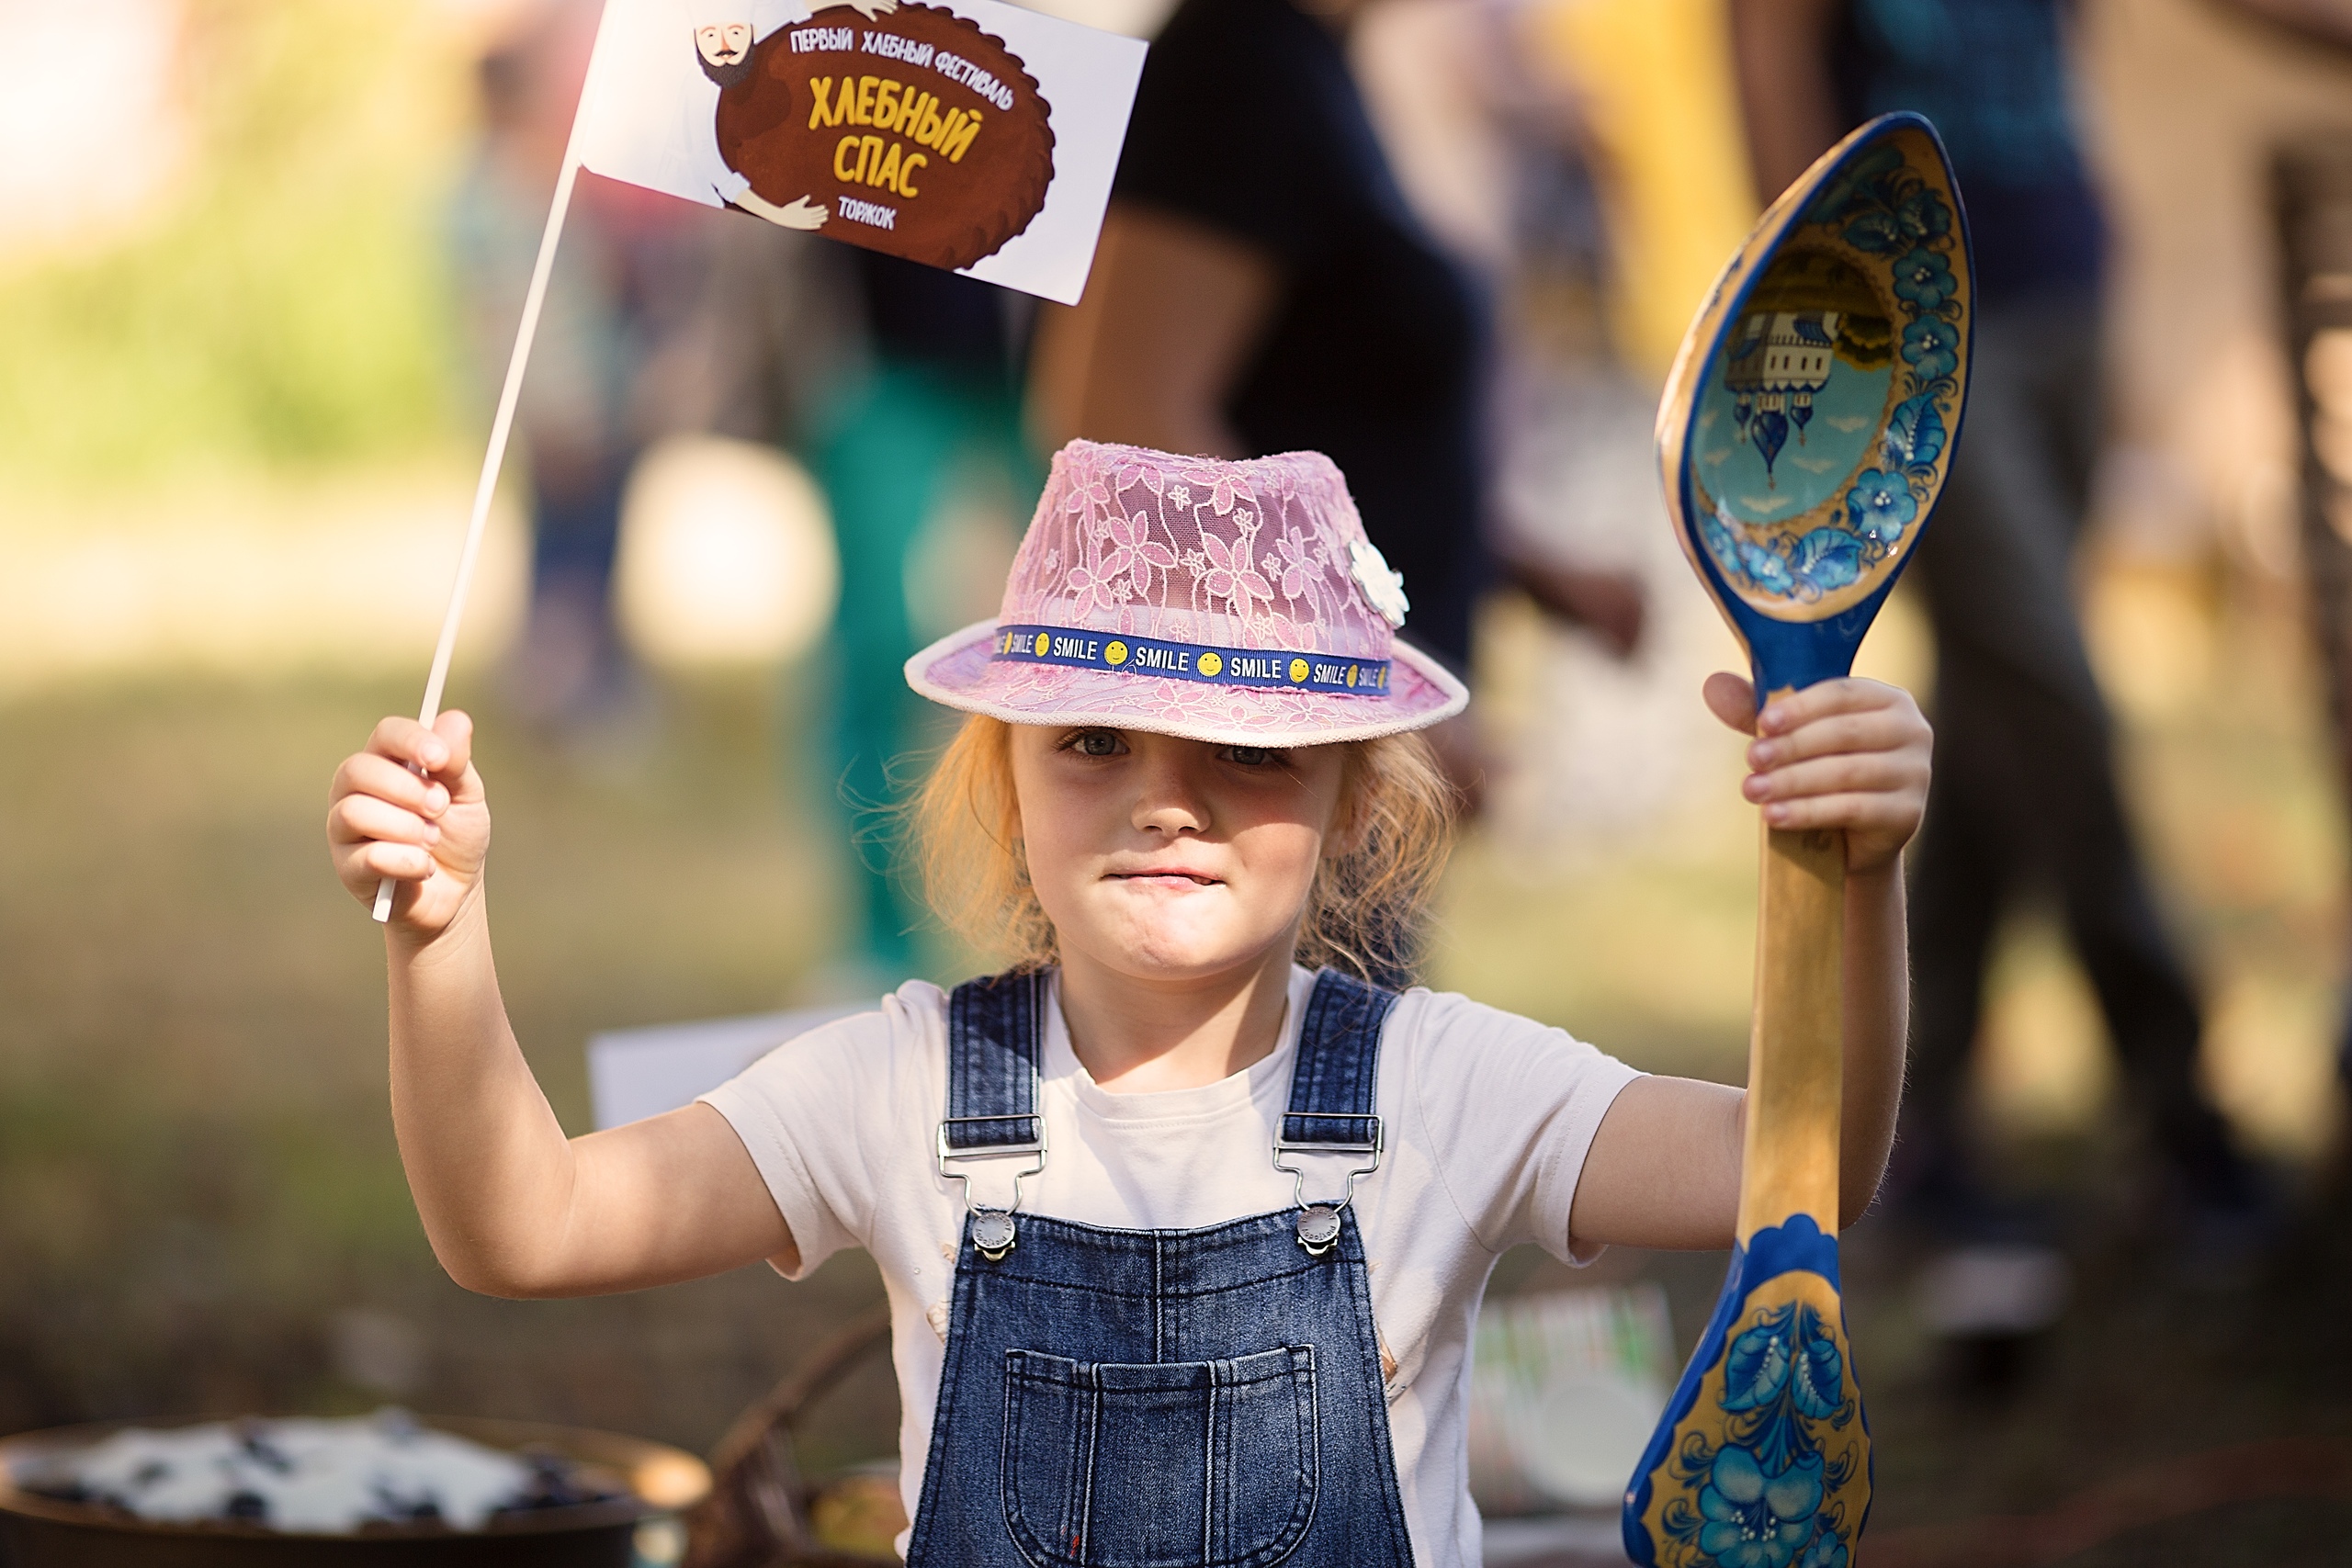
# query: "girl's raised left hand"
x,y
1847,754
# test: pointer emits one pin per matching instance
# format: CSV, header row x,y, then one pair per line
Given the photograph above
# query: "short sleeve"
x,y
810,1111
1226,128
1509,1107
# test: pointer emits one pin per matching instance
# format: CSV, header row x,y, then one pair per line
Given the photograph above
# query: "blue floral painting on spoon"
x,y
1821,428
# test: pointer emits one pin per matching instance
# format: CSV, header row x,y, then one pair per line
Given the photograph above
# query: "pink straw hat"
x,y
1233,603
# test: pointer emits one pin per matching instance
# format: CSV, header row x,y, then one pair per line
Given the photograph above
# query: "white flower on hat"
x,y
1384,588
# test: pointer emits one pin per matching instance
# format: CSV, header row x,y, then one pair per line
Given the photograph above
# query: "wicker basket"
x,y
761,1513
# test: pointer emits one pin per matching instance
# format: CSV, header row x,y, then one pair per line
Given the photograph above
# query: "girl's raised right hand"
x,y
428,834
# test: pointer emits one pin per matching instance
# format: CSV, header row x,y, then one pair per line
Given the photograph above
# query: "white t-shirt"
x,y
1488,1118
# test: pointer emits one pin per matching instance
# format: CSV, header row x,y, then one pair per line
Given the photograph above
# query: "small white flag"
x,y
970,135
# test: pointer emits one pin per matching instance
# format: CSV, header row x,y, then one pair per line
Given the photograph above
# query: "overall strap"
x,y
996,1032
1338,1061
1333,1085
995,1041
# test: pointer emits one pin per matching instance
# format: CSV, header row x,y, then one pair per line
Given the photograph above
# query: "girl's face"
x,y
1168,859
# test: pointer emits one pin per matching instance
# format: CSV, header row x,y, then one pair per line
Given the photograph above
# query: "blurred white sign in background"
x,y
1566,1389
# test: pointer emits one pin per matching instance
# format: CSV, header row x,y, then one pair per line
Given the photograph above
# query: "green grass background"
x,y
279,303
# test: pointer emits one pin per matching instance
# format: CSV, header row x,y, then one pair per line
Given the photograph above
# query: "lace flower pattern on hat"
x,y
1249,555
1142,556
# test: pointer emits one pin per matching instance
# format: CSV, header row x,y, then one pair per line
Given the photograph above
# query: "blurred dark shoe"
x,y
1990,1307
2221,1219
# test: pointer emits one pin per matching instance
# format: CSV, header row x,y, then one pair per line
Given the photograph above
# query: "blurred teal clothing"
x,y
885,460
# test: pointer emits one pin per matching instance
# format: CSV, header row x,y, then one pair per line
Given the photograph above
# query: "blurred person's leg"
x,y
1995,584
2025,774
882,465
571,667
2112,914
879,467
1961,872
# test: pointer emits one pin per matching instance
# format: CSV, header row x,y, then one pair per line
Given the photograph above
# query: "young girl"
x,y
1184,1239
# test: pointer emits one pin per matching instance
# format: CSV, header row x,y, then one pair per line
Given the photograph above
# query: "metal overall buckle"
x,y
1318,1224
993,1231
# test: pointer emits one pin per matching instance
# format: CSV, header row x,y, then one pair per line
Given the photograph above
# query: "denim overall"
x,y
1204,1398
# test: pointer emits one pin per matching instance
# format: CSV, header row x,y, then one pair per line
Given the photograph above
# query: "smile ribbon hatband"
x,y
1083,650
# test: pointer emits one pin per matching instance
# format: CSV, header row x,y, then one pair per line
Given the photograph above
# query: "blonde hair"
x,y
1364,912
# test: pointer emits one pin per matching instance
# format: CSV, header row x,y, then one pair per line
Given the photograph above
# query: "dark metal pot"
x,y
41,1532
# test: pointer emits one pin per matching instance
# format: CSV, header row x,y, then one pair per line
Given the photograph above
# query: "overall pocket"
x,y
1180,1464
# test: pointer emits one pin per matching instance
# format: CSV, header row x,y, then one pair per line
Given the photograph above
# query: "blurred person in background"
x,y
934,397
2026,793
606,363
1487,134
1485,114
899,386
1263,285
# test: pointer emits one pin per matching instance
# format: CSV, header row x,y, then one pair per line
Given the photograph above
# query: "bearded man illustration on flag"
x,y
631,142
725,52
724,48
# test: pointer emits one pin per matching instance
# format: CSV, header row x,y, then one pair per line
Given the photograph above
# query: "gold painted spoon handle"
x,y
1796,1056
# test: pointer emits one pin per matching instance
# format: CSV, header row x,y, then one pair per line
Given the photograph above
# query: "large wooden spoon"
x,y
1804,436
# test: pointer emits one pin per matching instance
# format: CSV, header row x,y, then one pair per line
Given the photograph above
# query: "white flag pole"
x,y
499,427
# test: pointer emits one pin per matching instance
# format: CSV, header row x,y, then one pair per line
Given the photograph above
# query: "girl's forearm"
x,y
1877,1025
488,1165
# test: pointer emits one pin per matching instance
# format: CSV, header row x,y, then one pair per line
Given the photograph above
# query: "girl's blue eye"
x,y
1096,743
1250,756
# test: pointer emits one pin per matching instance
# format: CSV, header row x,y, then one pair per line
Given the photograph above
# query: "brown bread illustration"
x,y
920,135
